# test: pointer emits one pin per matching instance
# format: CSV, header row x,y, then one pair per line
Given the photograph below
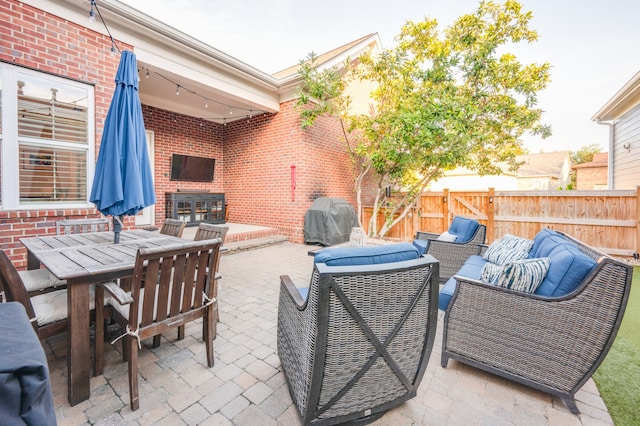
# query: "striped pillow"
x,y
508,249
523,275
491,272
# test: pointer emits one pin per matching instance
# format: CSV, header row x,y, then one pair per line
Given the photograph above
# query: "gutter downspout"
x,y
612,133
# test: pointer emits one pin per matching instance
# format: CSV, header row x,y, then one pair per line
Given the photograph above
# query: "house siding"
x,y
627,131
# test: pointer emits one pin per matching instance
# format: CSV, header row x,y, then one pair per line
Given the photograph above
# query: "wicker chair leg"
x,y
444,360
571,403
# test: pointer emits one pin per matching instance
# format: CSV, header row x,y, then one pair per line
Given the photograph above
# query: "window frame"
x,y
9,145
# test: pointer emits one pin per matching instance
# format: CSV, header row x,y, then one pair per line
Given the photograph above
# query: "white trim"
x,y
10,151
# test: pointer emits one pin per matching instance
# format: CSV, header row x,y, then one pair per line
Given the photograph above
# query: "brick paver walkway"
x,y
247,387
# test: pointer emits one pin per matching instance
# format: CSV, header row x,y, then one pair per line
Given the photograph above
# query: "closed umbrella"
x,y
122,184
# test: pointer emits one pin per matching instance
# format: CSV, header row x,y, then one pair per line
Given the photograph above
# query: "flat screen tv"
x,y
191,168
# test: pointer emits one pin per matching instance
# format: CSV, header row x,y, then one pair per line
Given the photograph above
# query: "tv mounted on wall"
x,y
189,167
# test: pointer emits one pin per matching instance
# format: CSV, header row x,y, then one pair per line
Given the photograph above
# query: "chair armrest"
x,y
451,256
426,235
121,296
292,291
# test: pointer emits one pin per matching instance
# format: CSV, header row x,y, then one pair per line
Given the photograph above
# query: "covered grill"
x,y
329,221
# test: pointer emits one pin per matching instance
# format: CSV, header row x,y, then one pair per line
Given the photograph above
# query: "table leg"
x,y
32,261
78,356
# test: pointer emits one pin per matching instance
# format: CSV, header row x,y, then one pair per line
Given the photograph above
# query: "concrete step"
x,y
232,247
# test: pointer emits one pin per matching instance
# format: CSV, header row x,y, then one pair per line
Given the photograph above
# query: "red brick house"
x,y
197,101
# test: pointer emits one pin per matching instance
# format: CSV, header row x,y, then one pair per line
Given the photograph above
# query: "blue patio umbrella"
x,y
122,184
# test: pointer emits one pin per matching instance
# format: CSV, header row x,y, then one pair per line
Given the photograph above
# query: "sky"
x,y
593,47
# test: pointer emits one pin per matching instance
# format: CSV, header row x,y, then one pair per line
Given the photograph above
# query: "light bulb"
x,y
206,104
147,75
178,89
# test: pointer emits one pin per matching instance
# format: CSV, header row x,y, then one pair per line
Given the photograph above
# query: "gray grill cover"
x,y
329,221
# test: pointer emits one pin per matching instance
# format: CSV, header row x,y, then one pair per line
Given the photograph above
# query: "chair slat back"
x,y
80,226
181,276
208,231
172,227
12,285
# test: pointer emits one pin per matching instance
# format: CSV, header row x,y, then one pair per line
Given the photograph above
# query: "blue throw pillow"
x,y
463,228
568,267
539,238
369,255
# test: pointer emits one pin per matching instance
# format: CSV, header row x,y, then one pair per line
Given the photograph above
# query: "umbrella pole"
x,y
117,227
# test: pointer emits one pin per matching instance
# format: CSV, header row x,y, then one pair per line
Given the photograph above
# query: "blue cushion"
x,y
370,255
539,238
472,268
446,293
568,267
463,228
421,245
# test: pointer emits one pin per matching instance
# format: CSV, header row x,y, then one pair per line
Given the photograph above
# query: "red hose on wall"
x,y
293,183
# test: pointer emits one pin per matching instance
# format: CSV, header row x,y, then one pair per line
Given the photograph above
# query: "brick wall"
x,y
254,157
44,42
181,134
259,155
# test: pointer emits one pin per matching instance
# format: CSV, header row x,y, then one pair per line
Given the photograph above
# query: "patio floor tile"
x,y
246,386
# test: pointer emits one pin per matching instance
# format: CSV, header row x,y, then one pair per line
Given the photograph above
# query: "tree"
x,y
442,99
584,154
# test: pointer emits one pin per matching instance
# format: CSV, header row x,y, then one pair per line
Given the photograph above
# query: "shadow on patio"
x,y
247,387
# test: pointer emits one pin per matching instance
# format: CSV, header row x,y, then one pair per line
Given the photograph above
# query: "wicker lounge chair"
x,y
452,254
360,343
550,344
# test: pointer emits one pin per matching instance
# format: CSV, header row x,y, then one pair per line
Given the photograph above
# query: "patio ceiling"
x,y
158,88
211,84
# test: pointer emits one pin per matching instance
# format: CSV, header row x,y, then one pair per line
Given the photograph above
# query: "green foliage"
x,y
584,154
443,99
618,377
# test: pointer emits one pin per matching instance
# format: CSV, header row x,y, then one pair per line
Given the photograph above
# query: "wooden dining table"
x,y
81,260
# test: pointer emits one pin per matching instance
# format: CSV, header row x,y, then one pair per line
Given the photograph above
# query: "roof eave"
x,y
625,99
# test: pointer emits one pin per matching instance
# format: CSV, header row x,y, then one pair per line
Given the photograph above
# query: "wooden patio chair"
x,y
80,226
173,227
183,292
207,231
47,311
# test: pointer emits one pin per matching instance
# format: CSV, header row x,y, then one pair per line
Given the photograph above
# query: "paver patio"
x,y
247,387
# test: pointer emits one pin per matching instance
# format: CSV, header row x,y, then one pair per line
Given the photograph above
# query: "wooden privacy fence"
x,y
606,220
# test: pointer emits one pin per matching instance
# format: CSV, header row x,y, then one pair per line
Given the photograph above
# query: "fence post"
x,y
445,211
491,231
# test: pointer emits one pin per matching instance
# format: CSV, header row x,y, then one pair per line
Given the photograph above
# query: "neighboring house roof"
x,y
601,159
623,101
330,55
548,164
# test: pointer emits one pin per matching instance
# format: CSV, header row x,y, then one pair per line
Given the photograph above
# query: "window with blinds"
x,y
52,140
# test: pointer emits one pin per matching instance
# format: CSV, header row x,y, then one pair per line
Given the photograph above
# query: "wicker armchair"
x,y
550,344
451,254
360,343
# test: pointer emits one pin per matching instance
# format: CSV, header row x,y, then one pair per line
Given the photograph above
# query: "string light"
x,y
177,89
92,12
147,75
206,103
92,18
